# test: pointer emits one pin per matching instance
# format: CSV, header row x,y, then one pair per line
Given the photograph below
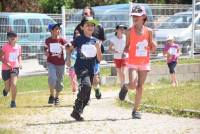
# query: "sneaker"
x,y
97,93
13,104
51,100
76,116
56,101
123,92
5,93
136,115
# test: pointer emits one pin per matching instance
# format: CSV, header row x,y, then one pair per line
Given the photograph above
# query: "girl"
x,y
139,42
171,51
12,61
117,46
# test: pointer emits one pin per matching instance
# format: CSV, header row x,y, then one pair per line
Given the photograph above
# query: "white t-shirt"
x,y
119,45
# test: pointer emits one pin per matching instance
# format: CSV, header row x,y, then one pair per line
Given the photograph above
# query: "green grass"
x,y
8,131
180,61
173,100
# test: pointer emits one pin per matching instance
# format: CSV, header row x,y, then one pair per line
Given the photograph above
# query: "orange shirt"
x,y
139,48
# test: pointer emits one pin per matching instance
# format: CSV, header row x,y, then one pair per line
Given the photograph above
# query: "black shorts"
x,y
172,66
7,73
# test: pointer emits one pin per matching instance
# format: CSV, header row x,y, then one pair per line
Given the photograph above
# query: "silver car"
x,y
180,26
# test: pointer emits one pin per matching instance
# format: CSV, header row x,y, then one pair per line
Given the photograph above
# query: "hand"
x,y
68,63
98,45
124,55
20,66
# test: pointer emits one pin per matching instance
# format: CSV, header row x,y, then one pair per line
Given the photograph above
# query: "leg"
x,y
96,81
13,87
52,77
59,82
131,84
82,96
6,77
139,90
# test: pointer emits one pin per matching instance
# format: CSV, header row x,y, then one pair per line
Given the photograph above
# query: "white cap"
x,y
170,37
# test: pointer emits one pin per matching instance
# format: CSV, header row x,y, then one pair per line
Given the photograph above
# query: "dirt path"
x,y
103,117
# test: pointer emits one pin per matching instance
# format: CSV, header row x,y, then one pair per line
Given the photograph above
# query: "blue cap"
x,y
52,26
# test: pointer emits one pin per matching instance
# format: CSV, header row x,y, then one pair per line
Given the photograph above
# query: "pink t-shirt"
x,y
11,55
172,50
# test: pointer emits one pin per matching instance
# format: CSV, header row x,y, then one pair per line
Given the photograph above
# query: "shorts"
x,y
55,76
120,63
172,66
96,69
6,74
140,67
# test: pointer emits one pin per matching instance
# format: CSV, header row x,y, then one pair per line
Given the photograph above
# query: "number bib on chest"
x,y
141,48
55,48
13,57
172,51
89,51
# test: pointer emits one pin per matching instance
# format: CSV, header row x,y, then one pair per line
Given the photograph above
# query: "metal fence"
x,y
163,19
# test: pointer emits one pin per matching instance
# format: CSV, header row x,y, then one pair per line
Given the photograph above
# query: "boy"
x,y
54,47
11,62
88,51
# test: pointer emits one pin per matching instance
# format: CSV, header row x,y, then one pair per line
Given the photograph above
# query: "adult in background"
x,y
54,50
139,43
99,34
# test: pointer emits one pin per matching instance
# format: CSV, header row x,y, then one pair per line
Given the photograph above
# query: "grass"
x,y
9,131
163,98
180,61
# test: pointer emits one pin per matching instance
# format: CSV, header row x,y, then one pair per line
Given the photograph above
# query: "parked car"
x,y
30,27
180,26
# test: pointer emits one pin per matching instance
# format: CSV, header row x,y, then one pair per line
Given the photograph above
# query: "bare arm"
x,y
152,42
127,41
69,49
99,53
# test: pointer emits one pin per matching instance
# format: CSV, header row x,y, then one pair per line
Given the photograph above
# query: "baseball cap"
x,y
52,26
89,20
121,26
11,34
170,37
138,11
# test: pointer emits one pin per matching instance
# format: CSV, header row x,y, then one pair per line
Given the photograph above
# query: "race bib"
x,y
13,57
172,51
89,51
141,48
55,48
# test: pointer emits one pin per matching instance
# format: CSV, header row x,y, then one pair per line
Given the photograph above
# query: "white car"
x,y
180,26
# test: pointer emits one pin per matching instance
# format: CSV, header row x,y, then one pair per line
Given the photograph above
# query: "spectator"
x,y
99,34
11,63
171,51
117,44
139,43
54,47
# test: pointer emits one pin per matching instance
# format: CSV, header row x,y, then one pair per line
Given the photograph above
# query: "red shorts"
x,y
120,63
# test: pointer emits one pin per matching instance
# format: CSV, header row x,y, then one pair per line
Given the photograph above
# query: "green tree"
x,y
54,6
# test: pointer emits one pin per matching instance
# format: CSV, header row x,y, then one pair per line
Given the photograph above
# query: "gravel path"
x,y
103,117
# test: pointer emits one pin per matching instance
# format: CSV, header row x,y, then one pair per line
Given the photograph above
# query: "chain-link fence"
x,y
163,19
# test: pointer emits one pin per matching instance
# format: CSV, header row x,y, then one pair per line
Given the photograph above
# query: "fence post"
x,y
63,22
193,26
130,10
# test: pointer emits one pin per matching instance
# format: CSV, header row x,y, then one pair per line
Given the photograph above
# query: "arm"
x,y
126,48
99,53
69,50
111,48
20,58
152,42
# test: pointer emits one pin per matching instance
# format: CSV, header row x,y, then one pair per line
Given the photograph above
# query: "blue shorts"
x,y
97,68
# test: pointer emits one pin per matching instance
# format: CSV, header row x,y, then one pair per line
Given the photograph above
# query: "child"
x,y
54,47
116,46
171,51
72,75
88,51
11,62
139,42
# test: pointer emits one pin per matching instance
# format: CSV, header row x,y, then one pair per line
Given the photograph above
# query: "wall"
x,y
184,72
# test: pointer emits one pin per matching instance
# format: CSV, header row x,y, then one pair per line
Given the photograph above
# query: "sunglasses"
x,y
137,9
86,14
